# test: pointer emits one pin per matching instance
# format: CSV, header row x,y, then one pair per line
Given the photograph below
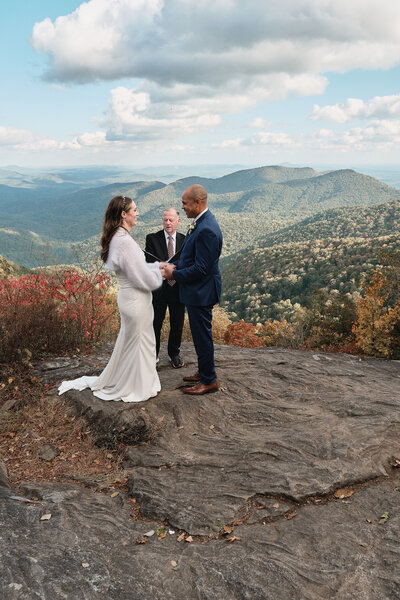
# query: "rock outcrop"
x,y
286,481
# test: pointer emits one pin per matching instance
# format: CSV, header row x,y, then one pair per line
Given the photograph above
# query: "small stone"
x,y
149,533
46,517
15,586
48,452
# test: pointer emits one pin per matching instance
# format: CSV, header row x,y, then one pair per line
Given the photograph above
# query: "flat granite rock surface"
x,y
296,456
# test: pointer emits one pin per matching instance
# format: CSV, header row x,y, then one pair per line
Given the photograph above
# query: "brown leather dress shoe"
x,y
201,388
195,377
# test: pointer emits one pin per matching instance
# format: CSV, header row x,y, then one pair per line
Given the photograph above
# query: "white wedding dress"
x,y
130,374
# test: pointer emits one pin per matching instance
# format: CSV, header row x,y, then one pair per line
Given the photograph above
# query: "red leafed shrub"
x,y
242,334
54,312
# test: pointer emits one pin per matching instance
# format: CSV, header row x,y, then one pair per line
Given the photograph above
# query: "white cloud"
x,y
193,62
14,137
237,143
379,107
180,41
379,135
133,116
213,57
98,138
28,140
149,112
95,40
262,138
259,123
269,138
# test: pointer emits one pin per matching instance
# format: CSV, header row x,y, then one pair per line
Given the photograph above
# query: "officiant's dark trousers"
x,y
200,318
163,297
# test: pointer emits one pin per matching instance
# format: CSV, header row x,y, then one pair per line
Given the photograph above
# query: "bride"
x,y
130,374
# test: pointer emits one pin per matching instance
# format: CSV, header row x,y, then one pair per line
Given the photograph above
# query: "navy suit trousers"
x,y
200,318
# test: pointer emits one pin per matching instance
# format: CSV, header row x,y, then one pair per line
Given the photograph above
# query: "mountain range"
x,y
250,204
287,230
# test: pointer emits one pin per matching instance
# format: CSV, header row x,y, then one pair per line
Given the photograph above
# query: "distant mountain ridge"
x,y
250,204
246,179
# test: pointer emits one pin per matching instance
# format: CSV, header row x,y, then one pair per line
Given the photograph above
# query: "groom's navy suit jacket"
x,y
197,270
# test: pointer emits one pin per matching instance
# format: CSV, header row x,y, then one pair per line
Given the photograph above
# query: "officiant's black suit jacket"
x,y
166,295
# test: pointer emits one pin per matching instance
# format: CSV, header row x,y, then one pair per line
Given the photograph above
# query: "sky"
x,y
164,82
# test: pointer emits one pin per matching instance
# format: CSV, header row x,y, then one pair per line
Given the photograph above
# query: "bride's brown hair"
x,y
112,220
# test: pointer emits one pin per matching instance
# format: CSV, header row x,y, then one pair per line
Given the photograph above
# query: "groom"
x,y
199,279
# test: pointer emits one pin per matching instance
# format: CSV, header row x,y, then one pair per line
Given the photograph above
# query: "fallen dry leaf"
x,y
114,494
276,505
234,538
291,515
85,565
228,529
384,518
46,517
181,537
174,563
189,539
343,493
260,506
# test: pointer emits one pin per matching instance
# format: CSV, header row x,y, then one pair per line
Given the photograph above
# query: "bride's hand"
x,y
168,270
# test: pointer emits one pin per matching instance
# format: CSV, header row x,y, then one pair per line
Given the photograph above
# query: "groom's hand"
x,y
168,270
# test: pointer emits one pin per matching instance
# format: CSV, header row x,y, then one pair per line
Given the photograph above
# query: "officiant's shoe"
x,y
177,362
194,378
201,388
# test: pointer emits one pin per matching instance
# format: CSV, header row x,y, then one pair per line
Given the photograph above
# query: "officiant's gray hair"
x,y
173,209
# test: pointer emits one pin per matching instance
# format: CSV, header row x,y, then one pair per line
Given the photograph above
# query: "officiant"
x,y
165,245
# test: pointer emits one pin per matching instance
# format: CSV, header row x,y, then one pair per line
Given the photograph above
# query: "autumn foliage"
x,y
56,312
242,334
50,313
377,329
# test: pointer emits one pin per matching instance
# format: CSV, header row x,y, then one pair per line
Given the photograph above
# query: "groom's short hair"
x,y
198,193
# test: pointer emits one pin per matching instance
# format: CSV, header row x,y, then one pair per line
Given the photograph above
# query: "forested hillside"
x,y
268,283
373,221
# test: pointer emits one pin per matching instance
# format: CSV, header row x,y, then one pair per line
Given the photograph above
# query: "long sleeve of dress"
x,y
126,256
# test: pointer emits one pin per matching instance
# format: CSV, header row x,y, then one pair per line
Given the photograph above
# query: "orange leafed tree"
x,y
242,334
377,320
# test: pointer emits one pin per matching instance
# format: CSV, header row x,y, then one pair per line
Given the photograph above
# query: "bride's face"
x,y
129,217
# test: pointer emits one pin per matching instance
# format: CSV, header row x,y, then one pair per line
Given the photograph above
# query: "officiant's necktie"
x,y
171,252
